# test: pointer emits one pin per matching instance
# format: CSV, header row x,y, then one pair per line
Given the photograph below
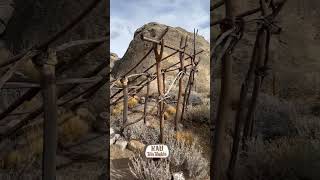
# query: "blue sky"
x,y
129,15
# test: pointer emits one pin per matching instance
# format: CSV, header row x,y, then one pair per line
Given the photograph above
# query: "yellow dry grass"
x,y
35,141
185,136
73,129
170,112
13,159
133,102
117,109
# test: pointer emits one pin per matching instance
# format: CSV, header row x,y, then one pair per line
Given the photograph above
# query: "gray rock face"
x,y
139,48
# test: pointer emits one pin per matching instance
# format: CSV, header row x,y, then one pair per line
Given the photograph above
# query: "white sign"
x,y
157,151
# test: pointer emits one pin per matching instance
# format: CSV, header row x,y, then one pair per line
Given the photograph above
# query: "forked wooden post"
x,y
158,57
49,94
164,80
124,82
146,102
274,88
179,103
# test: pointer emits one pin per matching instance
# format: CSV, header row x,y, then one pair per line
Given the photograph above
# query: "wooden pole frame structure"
x,y
182,69
158,57
50,134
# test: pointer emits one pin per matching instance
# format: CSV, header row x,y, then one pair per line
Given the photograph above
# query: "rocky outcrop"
x,y
138,48
113,58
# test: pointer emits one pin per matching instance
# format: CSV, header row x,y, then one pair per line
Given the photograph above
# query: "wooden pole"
x,y
179,103
274,88
125,100
218,165
257,82
50,116
146,102
241,107
158,57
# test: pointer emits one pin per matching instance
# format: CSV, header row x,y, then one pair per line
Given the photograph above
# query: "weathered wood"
x,y
53,38
164,80
18,85
63,66
217,168
158,56
182,68
8,74
274,85
217,5
167,46
150,67
124,82
257,82
72,44
240,111
146,103
50,117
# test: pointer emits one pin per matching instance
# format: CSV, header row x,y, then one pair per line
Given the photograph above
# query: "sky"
x,y
129,15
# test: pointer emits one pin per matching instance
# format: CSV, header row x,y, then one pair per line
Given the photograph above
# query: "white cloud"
x,y
127,16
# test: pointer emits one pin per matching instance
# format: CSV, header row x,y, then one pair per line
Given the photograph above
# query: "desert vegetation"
x,y
276,134
182,81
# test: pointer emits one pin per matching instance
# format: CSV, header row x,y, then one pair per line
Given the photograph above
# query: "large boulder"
x,y
139,48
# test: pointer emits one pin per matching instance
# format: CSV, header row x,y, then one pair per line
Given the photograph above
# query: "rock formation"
x,y
138,48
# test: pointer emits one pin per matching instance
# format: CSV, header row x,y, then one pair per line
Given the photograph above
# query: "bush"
x,y
200,113
183,157
73,129
147,135
148,169
281,159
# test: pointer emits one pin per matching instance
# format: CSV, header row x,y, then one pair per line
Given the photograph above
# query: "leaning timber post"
x,y
164,80
257,83
218,161
49,93
184,104
239,120
192,61
158,57
124,82
146,101
274,88
179,103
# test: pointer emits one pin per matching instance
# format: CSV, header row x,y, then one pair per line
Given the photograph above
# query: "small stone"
x,y
142,100
122,144
135,145
114,138
178,176
112,132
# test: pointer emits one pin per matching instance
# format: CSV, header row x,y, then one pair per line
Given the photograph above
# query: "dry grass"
x,y
183,157
117,109
170,112
289,157
133,102
73,129
186,137
13,159
34,141
143,168
284,158
200,114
